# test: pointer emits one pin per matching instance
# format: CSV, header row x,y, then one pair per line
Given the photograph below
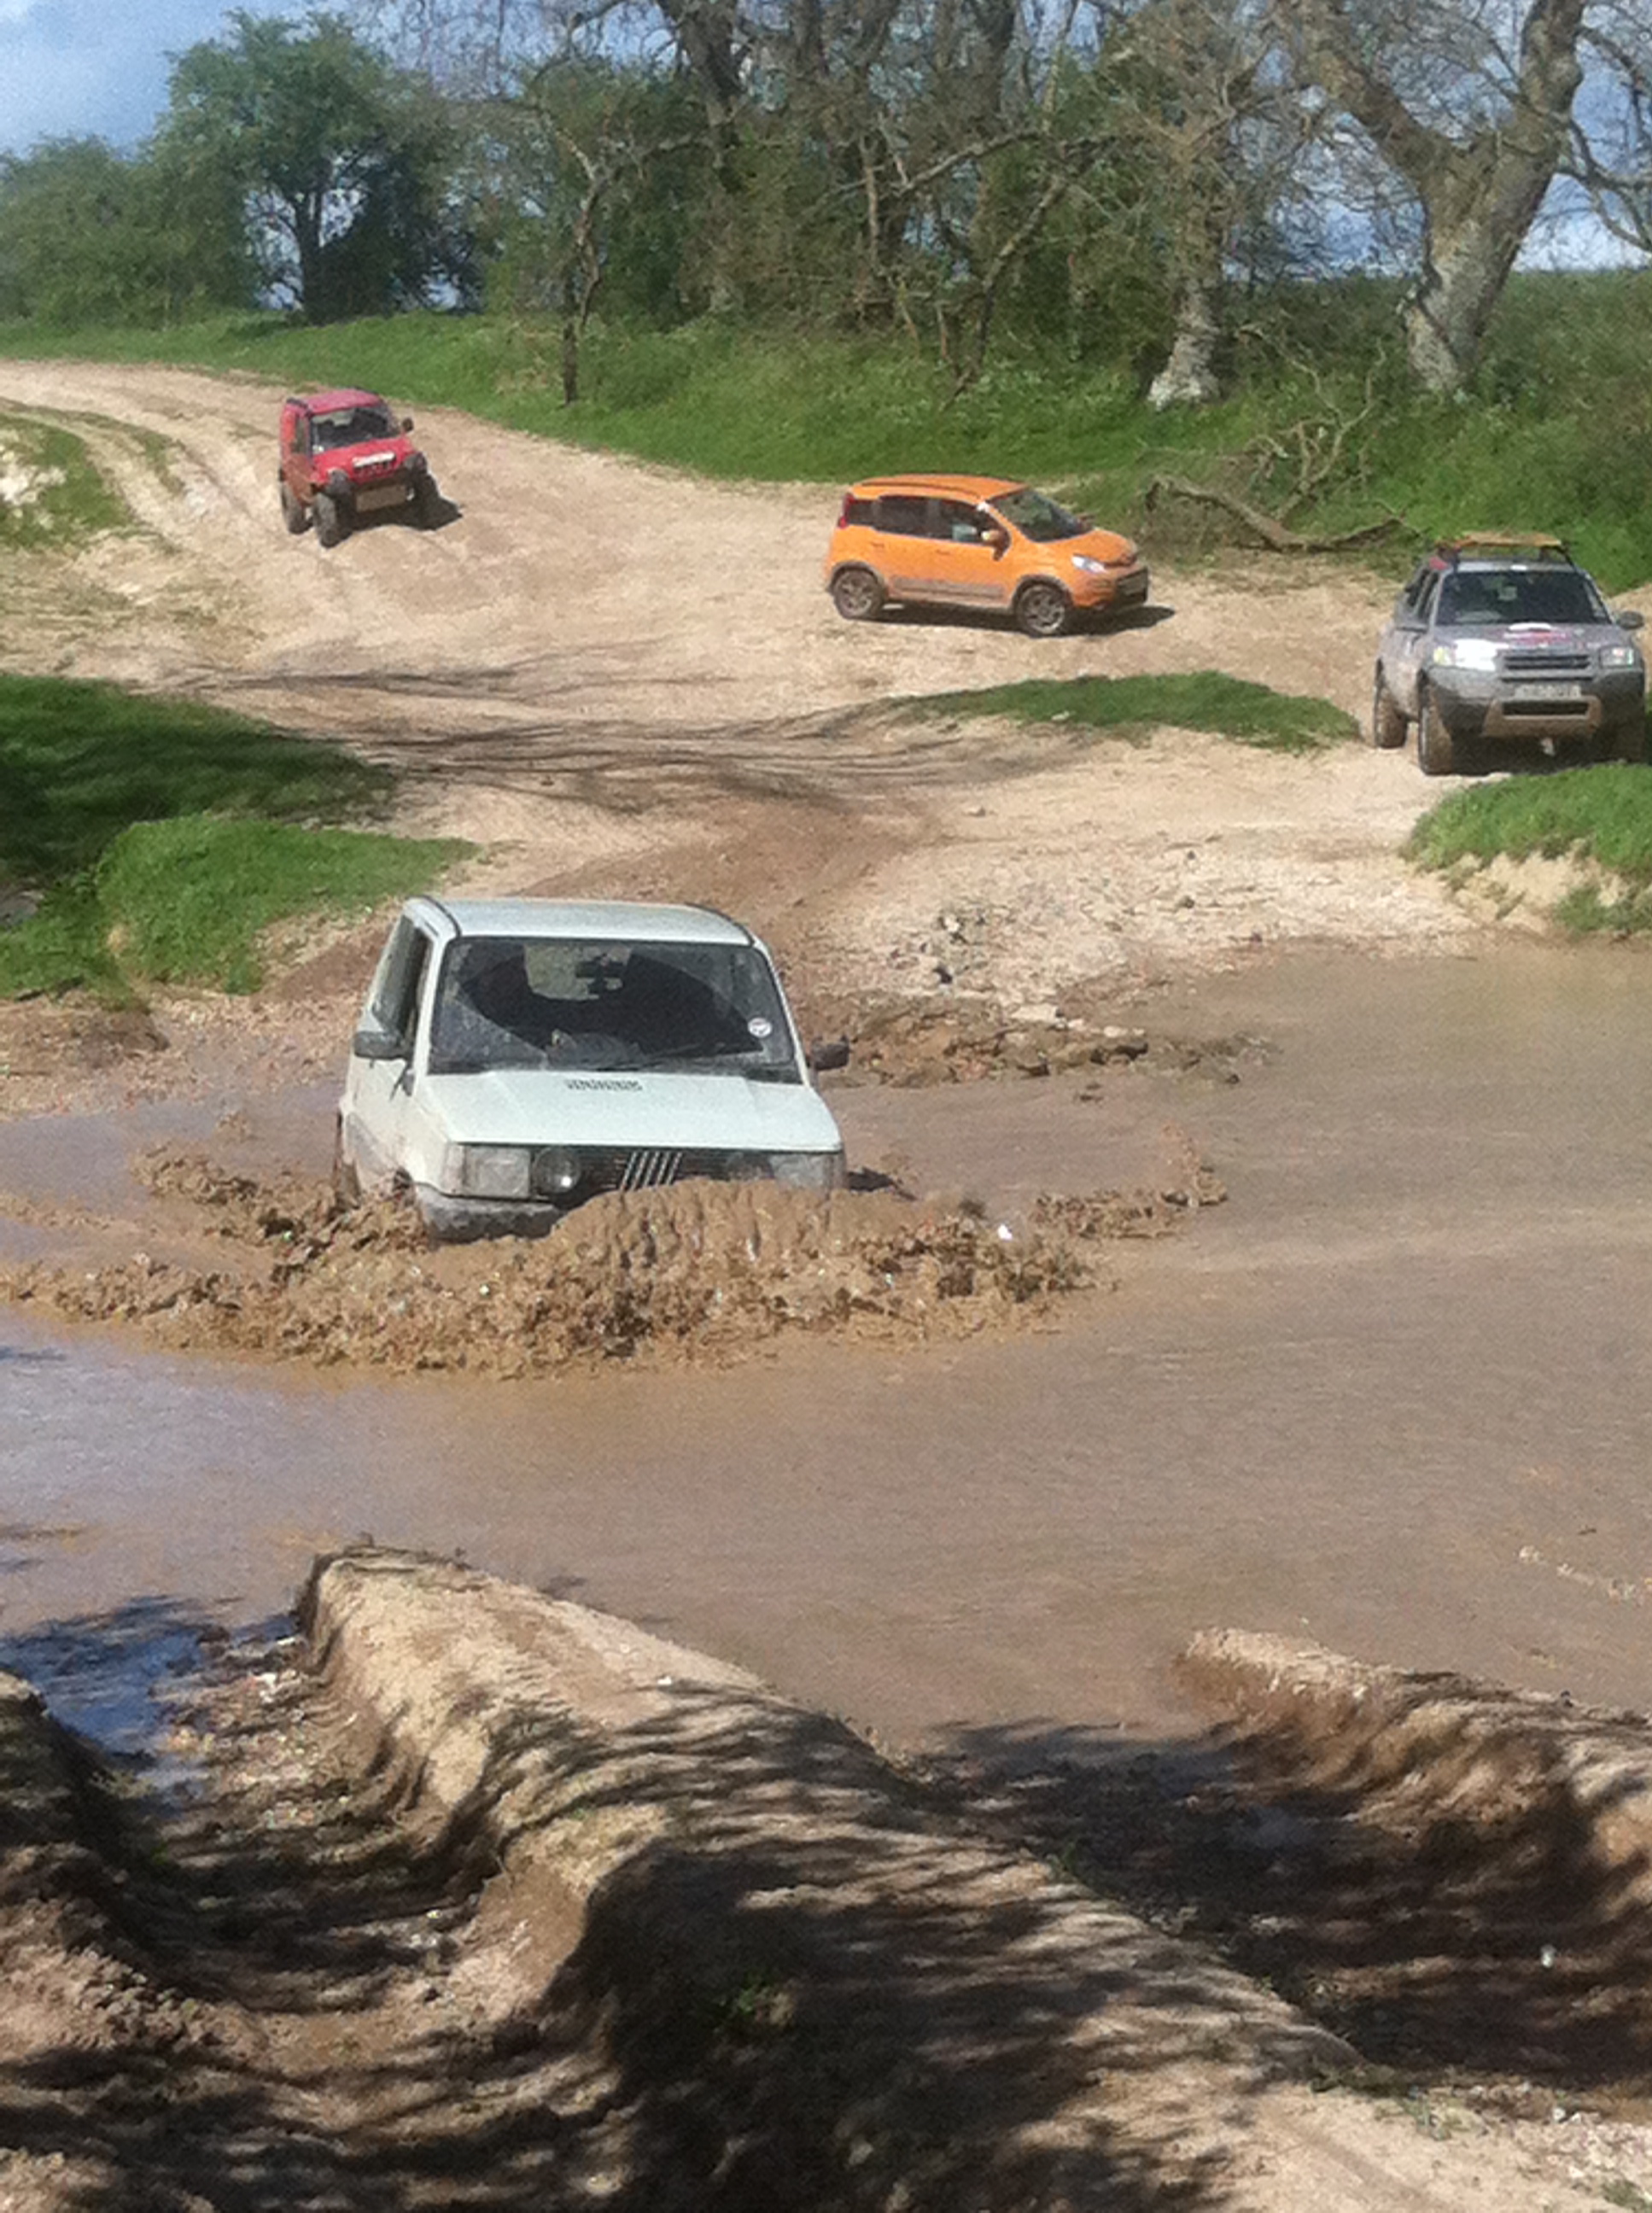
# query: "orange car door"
x,y
904,545
975,569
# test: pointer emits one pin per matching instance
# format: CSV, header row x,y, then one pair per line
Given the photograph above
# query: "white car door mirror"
x,y
378,1045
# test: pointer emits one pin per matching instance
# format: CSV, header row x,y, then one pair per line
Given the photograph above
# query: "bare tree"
x,y
1471,102
1612,143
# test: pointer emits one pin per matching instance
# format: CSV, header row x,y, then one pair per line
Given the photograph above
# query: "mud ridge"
x,y
471,1898
697,1270
913,1043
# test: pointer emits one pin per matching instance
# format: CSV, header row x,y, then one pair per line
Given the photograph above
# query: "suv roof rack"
x,y
1489,545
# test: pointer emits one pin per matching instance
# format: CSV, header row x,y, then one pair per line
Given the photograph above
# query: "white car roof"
x,y
628,919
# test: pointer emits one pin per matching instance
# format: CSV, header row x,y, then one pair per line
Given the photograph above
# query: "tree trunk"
x,y
1479,215
1189,378
1479,195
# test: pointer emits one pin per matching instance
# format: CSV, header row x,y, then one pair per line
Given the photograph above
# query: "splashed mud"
x,y
698,1271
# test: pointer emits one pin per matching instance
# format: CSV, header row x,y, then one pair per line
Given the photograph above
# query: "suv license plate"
x,y
1568,691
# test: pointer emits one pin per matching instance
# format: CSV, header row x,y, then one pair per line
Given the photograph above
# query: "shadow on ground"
x,y
1479,1931
277,1986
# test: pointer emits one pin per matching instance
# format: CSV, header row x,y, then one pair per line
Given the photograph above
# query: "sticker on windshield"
x,y
760,1026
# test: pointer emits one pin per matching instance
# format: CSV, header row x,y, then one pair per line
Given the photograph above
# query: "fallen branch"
x,y
1274,534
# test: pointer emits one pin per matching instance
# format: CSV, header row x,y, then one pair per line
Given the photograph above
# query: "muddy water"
x,y
1396,1395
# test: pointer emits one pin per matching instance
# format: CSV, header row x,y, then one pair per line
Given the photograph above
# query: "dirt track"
x,y
624,679
624,682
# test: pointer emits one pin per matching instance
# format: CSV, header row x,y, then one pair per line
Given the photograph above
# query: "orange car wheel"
x,y
1043,609
858,594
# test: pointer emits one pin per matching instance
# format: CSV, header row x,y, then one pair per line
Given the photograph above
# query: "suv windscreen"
x,y
560,1002
1036,516
352,426
1490,596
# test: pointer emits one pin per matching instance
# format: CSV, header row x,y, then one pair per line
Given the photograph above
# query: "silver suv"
x,y
1507,638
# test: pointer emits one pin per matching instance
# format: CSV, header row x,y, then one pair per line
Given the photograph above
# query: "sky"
x,y
97,69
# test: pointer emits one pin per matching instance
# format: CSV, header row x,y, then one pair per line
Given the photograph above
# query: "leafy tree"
x,y
345,164
88,235
599,173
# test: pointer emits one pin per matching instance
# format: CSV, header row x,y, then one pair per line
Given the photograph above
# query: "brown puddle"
x,y
1393,1395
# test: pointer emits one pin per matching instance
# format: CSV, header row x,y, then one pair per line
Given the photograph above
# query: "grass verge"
x,y
165,837
1132,706
1602,815
186,901
80,762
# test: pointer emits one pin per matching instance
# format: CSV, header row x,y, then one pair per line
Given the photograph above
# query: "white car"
x,y
517,1056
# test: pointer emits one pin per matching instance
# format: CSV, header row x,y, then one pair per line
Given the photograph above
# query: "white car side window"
x,y
396,988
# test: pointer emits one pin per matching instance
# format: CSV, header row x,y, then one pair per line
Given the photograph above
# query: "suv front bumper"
x,y
1476,706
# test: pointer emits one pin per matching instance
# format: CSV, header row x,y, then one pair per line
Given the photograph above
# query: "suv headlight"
x,y
486,1171
1620,656
1087,563
1478,652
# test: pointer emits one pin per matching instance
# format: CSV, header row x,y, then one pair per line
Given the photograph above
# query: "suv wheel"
x,y
857,596
1387,722
329,522
1627,742
294,513
427,503
1043,610
1435,753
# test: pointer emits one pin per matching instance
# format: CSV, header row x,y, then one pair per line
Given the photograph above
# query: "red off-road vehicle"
x,y
344,455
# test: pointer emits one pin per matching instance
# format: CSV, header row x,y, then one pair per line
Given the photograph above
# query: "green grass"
x,y
185,901
166,836
57,495
1599,815
1128,706
62,948
80,762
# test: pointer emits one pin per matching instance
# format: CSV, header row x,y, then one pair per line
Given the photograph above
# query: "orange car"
x,y
977,542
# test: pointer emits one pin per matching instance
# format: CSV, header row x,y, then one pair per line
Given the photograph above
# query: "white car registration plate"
x,y
1568,692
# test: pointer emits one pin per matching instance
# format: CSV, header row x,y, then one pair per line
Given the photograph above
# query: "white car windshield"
x,y
557,1003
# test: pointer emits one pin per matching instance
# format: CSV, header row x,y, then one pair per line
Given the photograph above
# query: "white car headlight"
x,y
800,1171
486,1171
1620,656
808,1171
1089,564
1478,652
